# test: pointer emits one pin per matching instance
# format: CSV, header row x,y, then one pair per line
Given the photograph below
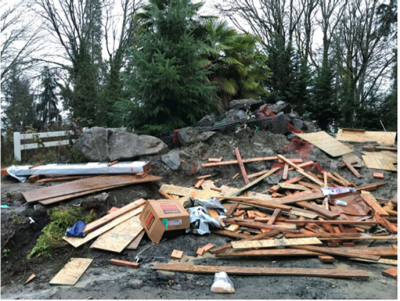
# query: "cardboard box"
x,y
159,216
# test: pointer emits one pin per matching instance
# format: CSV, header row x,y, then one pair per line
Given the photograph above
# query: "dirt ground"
x,y
104,281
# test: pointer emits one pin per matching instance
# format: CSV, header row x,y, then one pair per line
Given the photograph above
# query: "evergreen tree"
x,y
280,62
47,106
168,86
18,102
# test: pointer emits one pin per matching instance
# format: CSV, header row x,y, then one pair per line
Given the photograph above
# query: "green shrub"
x,y
61,219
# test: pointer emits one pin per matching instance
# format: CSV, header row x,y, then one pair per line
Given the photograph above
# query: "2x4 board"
x,y
326,143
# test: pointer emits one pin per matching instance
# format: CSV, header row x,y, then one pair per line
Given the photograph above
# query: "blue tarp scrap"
x,y
76,230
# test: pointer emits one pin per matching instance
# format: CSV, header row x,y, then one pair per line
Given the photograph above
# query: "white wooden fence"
x,y
18,147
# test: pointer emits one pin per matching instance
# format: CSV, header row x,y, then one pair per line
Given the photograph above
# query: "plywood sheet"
x,y
207,184
78,241
357,136
326,143
71,272
272,243
118,238
135,243
380,160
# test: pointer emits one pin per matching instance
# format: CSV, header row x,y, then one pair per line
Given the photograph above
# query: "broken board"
x,y
273,243
71,272
380,160
326,143
78,241
118,238
231,270
135,243
365,136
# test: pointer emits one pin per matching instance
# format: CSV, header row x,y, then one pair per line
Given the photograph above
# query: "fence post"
x,y
17,146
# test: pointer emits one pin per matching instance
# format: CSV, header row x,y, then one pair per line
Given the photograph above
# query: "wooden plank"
x,y
385,223
370,187
352,169
309,185
216,189
112,163
118,238
293,160
251,184
235,176
236,161
242,169
176,254
325,179
251,238
292,186
198,184
165,195
392,273
285,172
300,197
272,243
301,165
74,195
215,159
177,190
341,180
371,202
337,222
363,237
124,263
208,247
135,243
254,201
381,261
230,234
203,177
276,213
256,271
84,185
78,241
303,213
109,217
317,209
60,178
233,228
326,143
257,174
345,253
231,210
259,226
71,272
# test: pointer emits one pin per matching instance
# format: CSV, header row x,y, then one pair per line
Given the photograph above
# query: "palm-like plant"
x,y
238,66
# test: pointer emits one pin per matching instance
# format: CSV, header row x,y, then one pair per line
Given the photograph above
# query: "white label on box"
x,y
175,222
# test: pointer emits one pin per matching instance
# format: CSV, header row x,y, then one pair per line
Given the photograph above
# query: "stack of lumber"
x,y
298,216
57,193
115,231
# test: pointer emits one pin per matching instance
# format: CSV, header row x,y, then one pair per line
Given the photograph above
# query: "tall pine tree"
x,y
168,86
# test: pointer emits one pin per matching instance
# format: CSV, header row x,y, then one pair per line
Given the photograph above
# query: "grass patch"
x,y
61,219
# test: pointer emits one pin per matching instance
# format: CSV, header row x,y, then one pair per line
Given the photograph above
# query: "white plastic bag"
x,y
222,284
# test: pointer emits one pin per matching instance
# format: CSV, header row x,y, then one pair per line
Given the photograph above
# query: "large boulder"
x,y
298,123
281,106
243,104
234,114
311,127
172,159
92,145
189,136
278,124
127,146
